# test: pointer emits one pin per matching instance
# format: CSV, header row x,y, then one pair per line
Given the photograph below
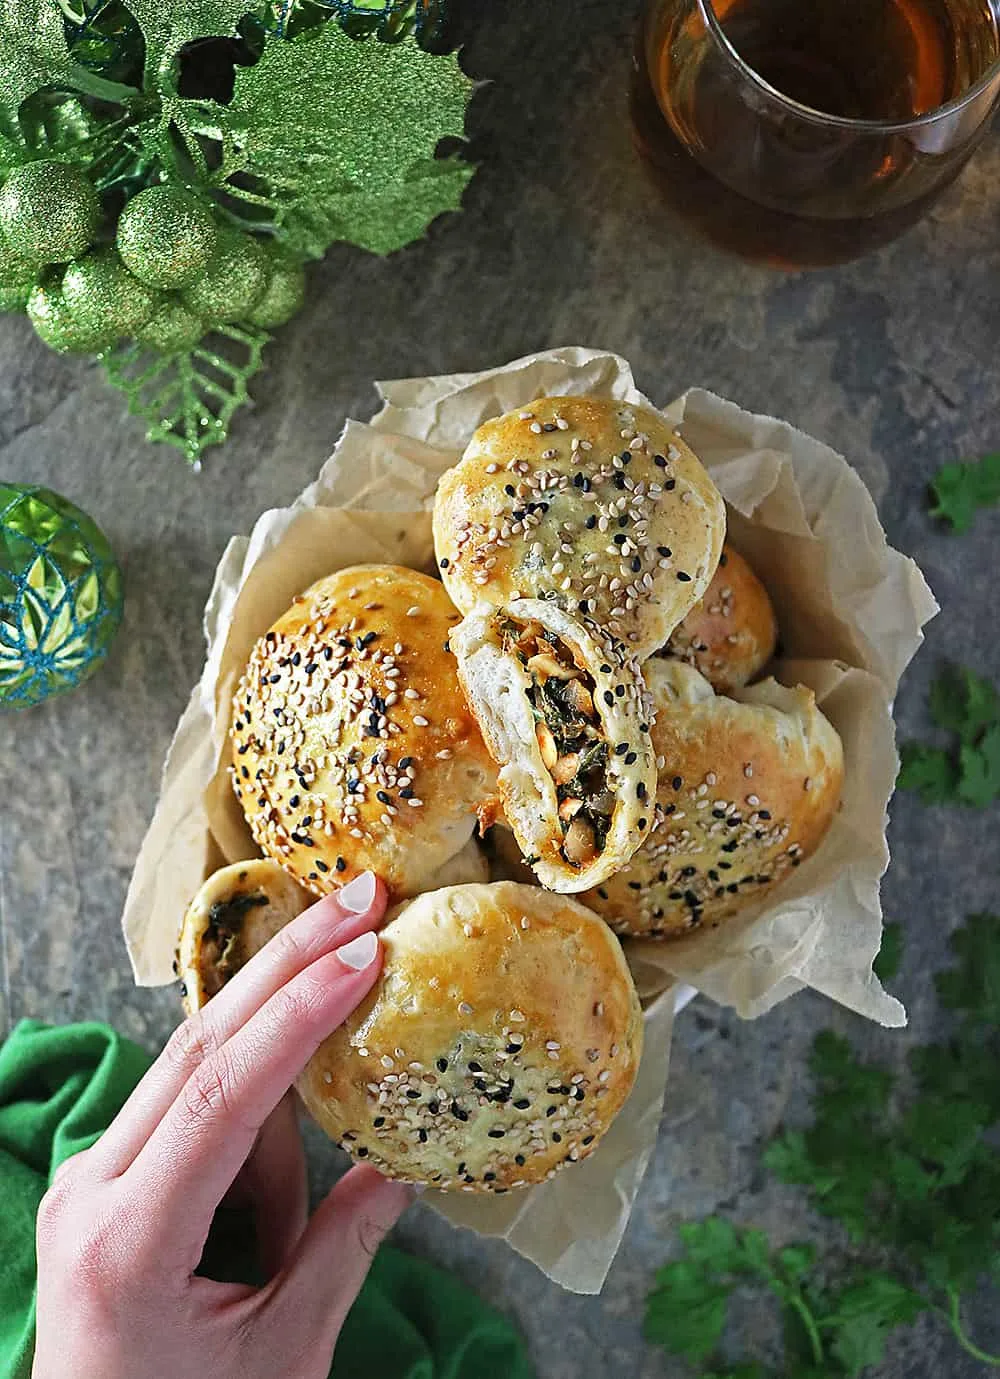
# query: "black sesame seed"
x,y
605,669
578,479
669,808
413,1094
406,793
444,563
321,865
641,824
623,521
621,749
591,522
609,698
636,564
764,814
635,885
618,479
383,797
510,490
677,782
273,679
587,1139
458,1112
496,1134
442,1065
620,538
378,1122
670,485
556,1137
665,551
522,1103
519,1159
549,426
689,871
631,759
660,461
340,864
626,457
475,1067
489,1177
422,1136
620,691
723,559
641,790
683,576
361,1152
550,1111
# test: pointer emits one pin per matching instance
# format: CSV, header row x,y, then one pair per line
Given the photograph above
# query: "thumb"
x,y
332,1259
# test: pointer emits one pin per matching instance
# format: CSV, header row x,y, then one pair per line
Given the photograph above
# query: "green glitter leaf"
x,y
167,27
333,139
33,55
188,399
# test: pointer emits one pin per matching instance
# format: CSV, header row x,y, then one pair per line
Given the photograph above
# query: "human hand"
x,y
123,1226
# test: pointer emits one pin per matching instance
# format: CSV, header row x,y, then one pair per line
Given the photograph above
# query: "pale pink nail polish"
x,y
359,894
360,952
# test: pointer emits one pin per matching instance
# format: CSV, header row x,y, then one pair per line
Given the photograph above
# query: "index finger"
x,y
334,920
191,1158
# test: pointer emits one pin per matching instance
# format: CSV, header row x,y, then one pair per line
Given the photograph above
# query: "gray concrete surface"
x,y
891,360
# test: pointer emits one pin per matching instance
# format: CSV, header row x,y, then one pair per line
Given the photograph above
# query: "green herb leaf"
x,y
929,771
890,955
188,399
331,138
687,1311
864,1314
972,986
963,703
960,490
979,784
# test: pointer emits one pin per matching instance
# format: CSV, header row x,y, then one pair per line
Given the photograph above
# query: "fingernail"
x,y
358,895
360,952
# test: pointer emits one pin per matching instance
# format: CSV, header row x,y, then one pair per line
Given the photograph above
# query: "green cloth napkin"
x,y
60,1088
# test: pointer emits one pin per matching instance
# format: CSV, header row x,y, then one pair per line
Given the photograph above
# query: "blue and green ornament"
x,y
60,595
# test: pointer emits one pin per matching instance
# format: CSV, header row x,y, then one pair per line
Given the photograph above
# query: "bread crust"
x,y
500,1042
747,790
352,744
731,632
595,503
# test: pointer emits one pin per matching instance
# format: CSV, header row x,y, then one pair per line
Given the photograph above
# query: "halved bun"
x,y
562,714
234,914
747,790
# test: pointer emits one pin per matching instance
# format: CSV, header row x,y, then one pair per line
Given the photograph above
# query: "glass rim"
x,y
814,116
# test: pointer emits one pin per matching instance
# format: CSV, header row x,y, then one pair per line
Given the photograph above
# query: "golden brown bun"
x,y
500,1042
234,914
498,685
731,633
747,789
353,747
596,503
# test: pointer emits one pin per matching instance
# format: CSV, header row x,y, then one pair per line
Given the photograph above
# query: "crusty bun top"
x,y
353,747
500,1042
595,503
747,789
731,632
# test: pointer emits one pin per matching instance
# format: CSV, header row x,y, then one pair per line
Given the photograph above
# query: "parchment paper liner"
x,y
850,609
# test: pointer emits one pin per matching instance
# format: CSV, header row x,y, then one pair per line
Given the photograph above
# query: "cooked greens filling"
x,y
221,952
570,737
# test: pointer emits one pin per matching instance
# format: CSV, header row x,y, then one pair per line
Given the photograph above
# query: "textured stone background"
x,y
890,360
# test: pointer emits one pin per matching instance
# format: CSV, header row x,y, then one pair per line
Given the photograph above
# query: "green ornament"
x,y
60,595
166,237
17,277
233,282
283,296
49,211
103,295
58,327
172,328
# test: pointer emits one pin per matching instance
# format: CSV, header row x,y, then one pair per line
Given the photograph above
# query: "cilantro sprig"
x,y
967,770
912,1178
960,490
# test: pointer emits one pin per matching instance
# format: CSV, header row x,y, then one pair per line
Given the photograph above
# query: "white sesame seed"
x,y
464,1008
536,427
420,721
328,1077
552,1044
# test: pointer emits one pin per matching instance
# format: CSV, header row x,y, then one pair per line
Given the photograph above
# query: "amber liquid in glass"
x,y
760,181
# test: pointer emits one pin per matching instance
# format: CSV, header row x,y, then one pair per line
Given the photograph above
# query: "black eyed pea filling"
x,y
571,737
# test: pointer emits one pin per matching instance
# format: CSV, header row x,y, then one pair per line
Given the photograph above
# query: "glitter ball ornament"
x,y
60,595
283,296
17,277
166,237
102,294
233,282
49,211
171,328
55,323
